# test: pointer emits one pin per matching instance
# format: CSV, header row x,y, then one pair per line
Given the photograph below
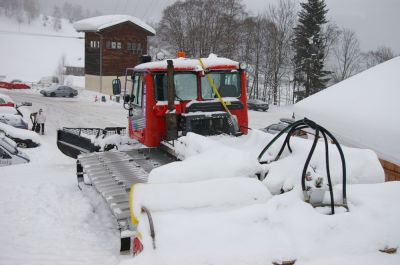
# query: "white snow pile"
x,y
209,208
205,159
221,193
101,22
362,111
22,134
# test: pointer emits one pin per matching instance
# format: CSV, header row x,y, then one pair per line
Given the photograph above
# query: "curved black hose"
x,y
302,124
328,174
276,138
303,175
343,164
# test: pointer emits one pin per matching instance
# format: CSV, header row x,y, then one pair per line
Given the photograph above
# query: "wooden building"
x,y
112,44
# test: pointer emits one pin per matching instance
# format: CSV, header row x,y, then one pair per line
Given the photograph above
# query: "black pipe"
x,y
303,175
302,124
328,174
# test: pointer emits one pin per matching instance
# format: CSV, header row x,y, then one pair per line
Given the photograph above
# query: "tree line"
x,y
292,53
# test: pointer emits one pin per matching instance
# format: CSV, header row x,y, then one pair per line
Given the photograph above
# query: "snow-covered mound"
x,y
362,111
209,208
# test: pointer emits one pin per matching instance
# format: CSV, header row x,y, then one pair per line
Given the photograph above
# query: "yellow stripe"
x,y
133,217
224,104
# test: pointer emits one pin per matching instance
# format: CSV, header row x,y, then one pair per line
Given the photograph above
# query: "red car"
x,y
15,84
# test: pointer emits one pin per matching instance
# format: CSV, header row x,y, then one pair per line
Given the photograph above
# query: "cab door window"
x,y
137,89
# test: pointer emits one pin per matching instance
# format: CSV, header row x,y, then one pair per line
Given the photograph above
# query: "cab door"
x,y
137,110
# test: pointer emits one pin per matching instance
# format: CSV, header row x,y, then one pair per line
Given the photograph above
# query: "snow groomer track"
x,y
111,174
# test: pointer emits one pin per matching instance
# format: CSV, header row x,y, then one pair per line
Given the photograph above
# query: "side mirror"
x,y
116,86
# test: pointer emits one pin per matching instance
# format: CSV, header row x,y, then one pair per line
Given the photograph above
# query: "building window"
x,y
139,48
114,45
132,46
94,44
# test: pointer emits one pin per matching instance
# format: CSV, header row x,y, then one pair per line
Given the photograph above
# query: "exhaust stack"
x,y
170,116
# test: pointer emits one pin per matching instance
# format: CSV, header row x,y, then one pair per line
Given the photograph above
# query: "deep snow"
x,y
45,219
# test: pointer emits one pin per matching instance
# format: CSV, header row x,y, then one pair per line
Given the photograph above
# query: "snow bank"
x,y
215,193
283,228
362,111
362,166
205,159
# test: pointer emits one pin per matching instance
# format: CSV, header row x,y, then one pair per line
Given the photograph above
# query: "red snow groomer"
x,y
169,98
165,100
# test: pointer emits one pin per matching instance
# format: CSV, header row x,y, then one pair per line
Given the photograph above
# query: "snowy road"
x,y
72,112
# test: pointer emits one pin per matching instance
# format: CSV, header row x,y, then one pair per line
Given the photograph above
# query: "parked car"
x,y
59,91
23,138
283,123
257,104
6,101
14,84
9,153
12,116
278,127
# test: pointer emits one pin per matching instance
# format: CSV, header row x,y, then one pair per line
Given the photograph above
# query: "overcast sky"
x,y
376,22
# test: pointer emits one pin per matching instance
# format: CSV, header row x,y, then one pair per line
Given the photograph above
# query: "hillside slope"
x,y
31,51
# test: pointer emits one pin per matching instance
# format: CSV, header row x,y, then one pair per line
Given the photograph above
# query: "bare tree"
x,y
31,8
375,57
283,17
347,56
57,25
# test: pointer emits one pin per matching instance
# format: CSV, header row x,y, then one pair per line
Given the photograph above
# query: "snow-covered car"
x,y
278,127
257,104
13,117
6,101
9,153
23,138
59,91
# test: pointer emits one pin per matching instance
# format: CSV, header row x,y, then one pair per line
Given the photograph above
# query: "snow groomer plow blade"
x,y
75,141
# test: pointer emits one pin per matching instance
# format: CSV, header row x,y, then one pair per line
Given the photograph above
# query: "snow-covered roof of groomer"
x,y
363,110
101,22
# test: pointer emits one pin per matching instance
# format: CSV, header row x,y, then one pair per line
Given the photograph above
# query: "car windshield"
x,y
227,84
185,86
